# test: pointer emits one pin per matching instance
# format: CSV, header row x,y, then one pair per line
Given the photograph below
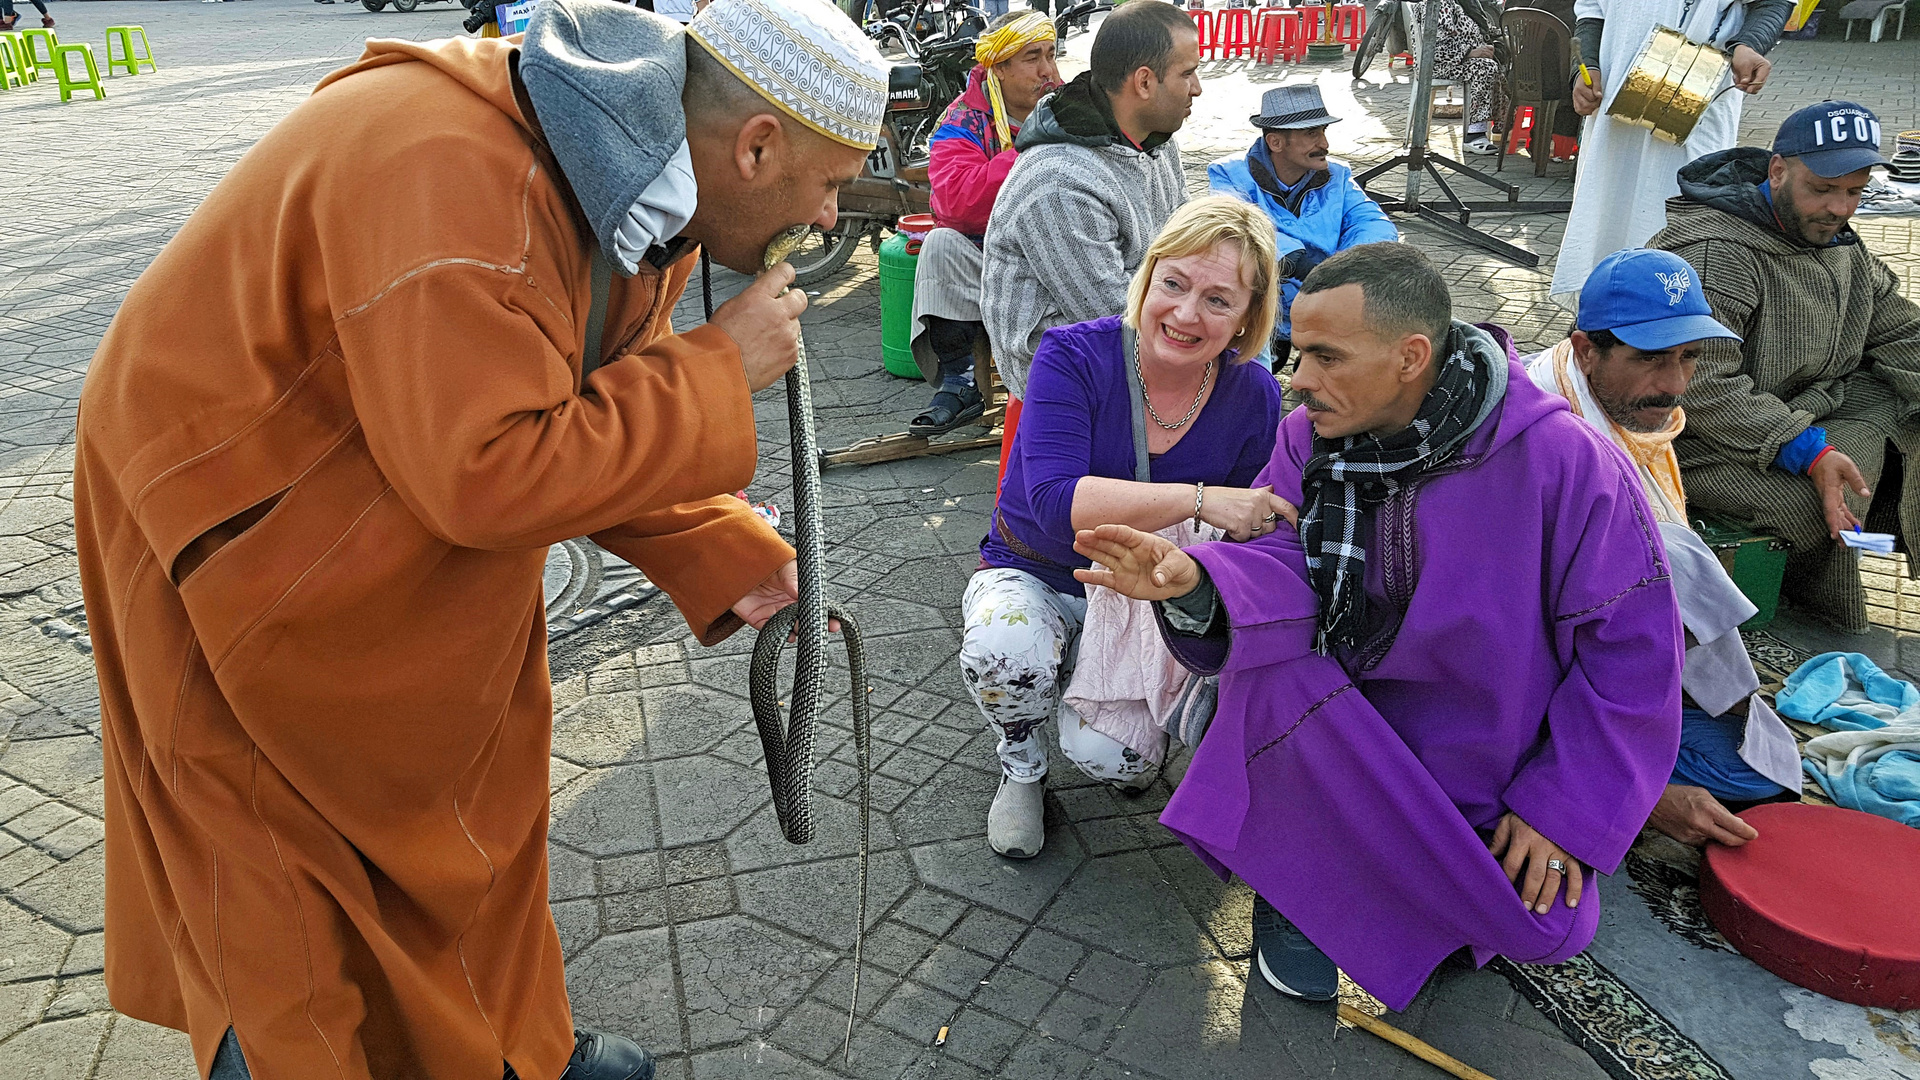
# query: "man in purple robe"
x,y
1451,693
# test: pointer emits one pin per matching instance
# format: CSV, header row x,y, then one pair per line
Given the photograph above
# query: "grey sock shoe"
x,y
1016,823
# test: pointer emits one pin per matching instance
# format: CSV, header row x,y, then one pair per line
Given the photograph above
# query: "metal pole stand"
x,y
1453,215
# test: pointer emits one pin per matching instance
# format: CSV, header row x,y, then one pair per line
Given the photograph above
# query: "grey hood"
x,y
605,82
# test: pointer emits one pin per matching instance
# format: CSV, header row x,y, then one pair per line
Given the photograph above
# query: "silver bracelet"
x,y
1199,493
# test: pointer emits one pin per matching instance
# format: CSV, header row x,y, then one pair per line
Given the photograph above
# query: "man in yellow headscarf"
x,y
972,151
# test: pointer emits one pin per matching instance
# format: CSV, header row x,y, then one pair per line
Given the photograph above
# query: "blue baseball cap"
x,y
1649,299
1833,138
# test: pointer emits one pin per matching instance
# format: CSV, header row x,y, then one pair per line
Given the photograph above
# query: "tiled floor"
x,y
688,922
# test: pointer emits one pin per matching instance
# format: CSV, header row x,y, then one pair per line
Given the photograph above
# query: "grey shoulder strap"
x,y
596,315
1142,468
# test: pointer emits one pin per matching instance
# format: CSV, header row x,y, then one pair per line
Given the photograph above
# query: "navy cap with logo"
x,y
1833,138
1649,299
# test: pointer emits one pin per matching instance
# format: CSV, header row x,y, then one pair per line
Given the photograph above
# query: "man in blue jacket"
x,y
1316,207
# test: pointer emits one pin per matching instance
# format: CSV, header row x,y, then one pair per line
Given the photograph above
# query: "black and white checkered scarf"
x,y
1347,478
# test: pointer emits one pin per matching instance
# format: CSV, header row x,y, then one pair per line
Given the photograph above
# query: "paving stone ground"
x,y
688,922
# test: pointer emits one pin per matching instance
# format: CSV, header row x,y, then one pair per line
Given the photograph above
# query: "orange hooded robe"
x,y
322,451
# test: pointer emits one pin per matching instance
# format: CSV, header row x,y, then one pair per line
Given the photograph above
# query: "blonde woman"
x,y
1200,307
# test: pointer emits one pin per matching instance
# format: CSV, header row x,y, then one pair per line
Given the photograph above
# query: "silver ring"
x,y
1556,866
1271,518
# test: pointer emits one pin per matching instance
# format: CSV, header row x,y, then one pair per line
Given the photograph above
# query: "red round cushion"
x,y
1825,898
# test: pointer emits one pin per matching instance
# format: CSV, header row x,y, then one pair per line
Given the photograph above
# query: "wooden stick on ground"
x,y
1410,1044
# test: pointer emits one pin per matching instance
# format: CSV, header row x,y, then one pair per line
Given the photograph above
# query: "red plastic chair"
x,y
1235,28
1208,29
1267,34
1009,425
1350,25
1282,33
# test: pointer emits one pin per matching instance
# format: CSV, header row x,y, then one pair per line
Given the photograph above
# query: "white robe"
x,y
1626,175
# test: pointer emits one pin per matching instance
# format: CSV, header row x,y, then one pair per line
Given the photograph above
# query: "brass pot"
x,y
1670,85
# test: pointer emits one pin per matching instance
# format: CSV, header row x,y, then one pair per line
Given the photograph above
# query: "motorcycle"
x,y
1078,15
894,183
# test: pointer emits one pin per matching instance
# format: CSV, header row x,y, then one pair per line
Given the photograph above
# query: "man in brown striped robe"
x,y
1800,430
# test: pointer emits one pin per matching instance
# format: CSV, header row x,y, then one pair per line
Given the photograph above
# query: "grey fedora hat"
x,y
1296,106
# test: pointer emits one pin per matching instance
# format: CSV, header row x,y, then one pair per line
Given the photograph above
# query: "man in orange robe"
x,y
322,452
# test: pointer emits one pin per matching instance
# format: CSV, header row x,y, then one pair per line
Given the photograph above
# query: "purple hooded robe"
x,y
1536,669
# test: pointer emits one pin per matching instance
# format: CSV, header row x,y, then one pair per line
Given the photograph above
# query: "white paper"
x,y
1878,543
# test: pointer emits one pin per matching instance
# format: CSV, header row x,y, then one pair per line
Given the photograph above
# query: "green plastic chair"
x,y
24,66
10,72
129,61
40,43
62,54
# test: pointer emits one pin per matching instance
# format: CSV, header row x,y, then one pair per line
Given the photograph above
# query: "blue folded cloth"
x,y
1846,692
1870,760
1887,785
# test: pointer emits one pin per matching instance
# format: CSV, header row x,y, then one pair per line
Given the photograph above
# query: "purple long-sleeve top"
x,y
1077,421
1535,669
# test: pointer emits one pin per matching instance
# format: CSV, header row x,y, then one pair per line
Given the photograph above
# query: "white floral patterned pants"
x,y
1017,656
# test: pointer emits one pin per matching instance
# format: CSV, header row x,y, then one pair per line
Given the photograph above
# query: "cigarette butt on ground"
x,y
941,1039
1411,1045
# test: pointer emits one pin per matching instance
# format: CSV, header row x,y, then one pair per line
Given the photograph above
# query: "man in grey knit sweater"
x,y
1098,175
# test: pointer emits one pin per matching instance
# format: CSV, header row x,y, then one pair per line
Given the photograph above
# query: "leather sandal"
x,y
951,408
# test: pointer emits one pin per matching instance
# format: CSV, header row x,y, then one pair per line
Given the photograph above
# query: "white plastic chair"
x,y
1878,11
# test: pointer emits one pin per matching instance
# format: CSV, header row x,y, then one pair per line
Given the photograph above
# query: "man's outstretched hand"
x,y
781,588
1835,476
1693,816
1523,853
1142,565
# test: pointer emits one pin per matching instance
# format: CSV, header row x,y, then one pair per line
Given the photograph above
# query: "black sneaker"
x,y
1287,960
602,1057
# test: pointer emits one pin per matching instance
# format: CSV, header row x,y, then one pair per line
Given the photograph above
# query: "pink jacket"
x,y
968,164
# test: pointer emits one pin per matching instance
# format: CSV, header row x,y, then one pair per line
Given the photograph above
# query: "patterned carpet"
x,y
1594,1007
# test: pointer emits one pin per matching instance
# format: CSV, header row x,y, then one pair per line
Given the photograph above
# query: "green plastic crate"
x,y
1756,562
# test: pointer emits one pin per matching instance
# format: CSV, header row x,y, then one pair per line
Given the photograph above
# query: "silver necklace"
x,y
1205,381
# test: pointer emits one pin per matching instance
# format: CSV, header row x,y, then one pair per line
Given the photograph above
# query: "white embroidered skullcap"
x,y
804,56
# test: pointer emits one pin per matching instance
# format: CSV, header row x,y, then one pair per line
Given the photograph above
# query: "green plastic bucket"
x,y
897,268
1757,563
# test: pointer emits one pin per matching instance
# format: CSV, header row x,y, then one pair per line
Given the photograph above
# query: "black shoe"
x,y
1287,960
597,1056
951,407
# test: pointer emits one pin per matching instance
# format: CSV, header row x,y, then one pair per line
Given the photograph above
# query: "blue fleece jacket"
x,y
1334,215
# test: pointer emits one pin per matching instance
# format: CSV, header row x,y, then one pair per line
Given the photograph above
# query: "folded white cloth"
x,y
1718,673
1768,746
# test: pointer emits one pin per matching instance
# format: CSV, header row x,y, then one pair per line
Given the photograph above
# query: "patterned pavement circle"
x,y
688,922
